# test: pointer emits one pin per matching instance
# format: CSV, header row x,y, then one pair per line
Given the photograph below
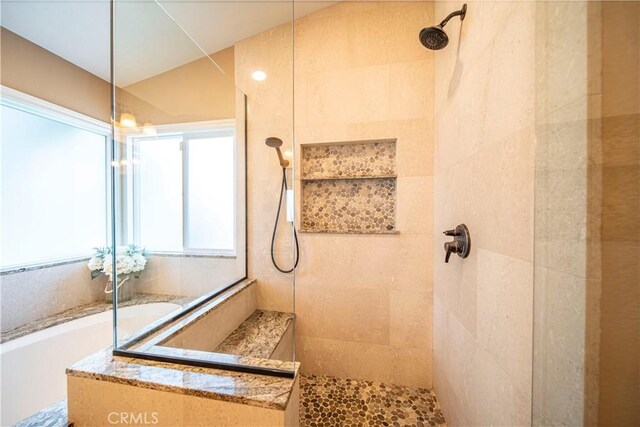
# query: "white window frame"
x,y
30,104
187,131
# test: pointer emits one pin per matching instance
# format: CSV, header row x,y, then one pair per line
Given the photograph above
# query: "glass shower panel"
x,y
183,102
179,161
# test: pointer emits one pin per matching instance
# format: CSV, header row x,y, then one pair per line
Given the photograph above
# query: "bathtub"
x,y
32,368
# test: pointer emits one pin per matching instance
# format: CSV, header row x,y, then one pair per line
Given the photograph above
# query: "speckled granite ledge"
x,y
87,310
258,336
250,389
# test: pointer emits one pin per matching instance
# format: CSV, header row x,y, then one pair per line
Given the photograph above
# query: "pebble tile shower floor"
x,y
328,402
337,402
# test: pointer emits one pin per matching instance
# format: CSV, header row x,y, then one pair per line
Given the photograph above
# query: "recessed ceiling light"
x,y
259,75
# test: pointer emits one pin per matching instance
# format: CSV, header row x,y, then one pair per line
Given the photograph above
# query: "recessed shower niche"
x,y
349,187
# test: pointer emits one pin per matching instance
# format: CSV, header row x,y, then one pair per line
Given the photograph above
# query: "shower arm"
x,y
461,13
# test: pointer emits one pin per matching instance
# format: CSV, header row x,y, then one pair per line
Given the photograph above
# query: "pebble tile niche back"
x,y
349,187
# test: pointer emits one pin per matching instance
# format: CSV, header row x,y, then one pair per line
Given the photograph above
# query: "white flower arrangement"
x,y
130,260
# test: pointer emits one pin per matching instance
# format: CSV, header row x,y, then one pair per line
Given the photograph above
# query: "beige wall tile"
x,y
411,89
387,33
352,314
415,266
346,359
505,314
371,362
410,319
456,285
484,177
415,205
500,402
330,47
357,68
412,367
349,96
364,271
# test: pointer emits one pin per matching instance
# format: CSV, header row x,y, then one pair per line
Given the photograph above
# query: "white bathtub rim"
x,y
86,321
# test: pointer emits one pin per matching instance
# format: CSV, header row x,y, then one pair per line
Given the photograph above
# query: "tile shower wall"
x,y
484,158
363,301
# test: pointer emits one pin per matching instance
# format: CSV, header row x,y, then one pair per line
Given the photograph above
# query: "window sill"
x,y
39,266
194,254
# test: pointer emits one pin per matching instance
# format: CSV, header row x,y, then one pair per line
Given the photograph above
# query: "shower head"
x,y
435,38
273,142
276,143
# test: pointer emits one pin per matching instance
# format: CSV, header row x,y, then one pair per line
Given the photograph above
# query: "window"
x,y
183,192
53,170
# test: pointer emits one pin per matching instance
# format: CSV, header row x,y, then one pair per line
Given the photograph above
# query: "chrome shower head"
x,y
276,143
435,38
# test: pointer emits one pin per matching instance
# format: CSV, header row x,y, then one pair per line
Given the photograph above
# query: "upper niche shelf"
x,y
349,160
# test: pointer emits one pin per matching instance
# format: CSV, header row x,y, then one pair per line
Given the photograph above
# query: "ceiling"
x,y
150,37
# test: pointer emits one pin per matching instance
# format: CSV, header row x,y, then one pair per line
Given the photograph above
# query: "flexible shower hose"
x,y
283,190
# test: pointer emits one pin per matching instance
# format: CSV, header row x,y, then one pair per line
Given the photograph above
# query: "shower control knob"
x,y
450,248
461,244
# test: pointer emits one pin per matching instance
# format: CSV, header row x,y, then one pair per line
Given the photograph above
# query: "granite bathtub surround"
x,y
363,301
258,336
357,159
179,394
88,310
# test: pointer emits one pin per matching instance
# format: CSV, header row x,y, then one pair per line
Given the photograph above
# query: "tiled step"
x,y
258,336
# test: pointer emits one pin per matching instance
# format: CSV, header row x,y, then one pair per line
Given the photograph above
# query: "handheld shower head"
x,y
273,142
435,38
276,143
